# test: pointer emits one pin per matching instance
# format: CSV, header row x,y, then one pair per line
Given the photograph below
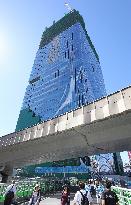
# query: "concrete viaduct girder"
x,y
100,127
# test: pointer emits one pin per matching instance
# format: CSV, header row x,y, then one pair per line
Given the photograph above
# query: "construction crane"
x,y
68,7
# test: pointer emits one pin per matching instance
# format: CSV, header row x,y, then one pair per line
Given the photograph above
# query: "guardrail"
x,y
123,194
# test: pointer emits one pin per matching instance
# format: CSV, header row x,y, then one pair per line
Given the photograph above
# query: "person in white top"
x,y
78,196
11,187
36,196
10,194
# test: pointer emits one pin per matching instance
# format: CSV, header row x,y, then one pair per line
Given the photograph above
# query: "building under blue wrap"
x,y
66,73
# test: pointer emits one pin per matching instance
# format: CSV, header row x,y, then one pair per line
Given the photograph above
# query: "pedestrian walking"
x,y
87,189
99,190
65,197
93,189
10,195
36,196
81,197
109,197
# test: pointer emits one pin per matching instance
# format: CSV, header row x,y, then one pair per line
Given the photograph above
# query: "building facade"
x,y
66,73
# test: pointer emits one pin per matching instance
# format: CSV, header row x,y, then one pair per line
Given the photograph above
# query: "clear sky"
x,y
108,23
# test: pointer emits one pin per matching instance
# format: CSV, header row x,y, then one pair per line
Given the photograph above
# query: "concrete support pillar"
x,y
6,172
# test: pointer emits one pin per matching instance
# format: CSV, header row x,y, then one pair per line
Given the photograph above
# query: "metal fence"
x,y
123,194
25,189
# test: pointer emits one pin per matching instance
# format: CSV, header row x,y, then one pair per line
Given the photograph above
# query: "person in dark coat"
x,y
65,197
109,197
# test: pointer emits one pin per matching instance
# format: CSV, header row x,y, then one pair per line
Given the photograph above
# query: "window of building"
x,y
65,54
55,75
75,79
81,77
79,102
72,47
68,54
72,36
82,99
58,72
67,44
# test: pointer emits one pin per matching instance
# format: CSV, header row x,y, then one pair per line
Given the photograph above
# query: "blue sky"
x,y
21,26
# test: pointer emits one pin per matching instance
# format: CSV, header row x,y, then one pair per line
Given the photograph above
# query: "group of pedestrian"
x,y
10,195
84,196
87,192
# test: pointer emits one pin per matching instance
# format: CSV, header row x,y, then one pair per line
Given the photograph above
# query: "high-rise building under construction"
x,y
66,73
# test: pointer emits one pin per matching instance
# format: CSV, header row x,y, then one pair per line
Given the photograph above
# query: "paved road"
x,y
55,200
52,200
